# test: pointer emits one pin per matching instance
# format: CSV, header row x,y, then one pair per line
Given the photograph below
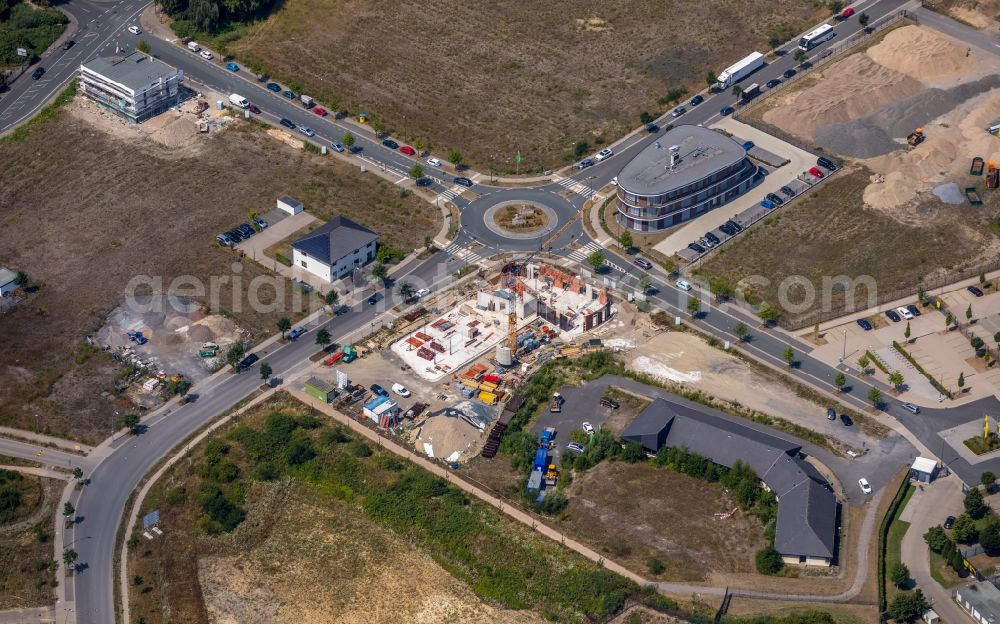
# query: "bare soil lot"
x,y
27,575
491,79
637,511
87,205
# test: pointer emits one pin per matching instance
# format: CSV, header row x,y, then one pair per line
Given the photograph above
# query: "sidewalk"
x,y
46,440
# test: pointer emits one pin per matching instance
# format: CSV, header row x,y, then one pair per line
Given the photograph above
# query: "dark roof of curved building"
x,y
702,153
807,507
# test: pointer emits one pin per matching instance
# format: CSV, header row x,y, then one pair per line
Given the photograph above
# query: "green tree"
x,y
937,540
974,504
553,503
982,278
863,20
906,332
596,260
405,290
625,240
416,171
655,566
800,55
693,306
131,422
988,479
332,297
948,319
961,380
68,510
964,530
580,148
645,283
380,271
996,338
899,574
347,140
137,580
633,453
737,90
284,325
235,354
977,342
711,78
741,331
265,371
989,537
645,118
907,606
864,363
789,355
836,6
968,313
455,157
768,560
69,557
21,279
875,396
78,473
840,380
769,314
323,337
143,46
896,379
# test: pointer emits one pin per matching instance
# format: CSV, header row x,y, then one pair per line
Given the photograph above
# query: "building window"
x,y
303,263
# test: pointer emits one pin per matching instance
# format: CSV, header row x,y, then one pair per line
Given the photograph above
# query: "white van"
x,y
238,100
194,47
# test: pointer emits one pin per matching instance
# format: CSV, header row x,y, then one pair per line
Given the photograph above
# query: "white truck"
x,y
238,100
734,73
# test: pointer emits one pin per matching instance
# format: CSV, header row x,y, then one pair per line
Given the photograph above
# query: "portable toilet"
x,y
362,117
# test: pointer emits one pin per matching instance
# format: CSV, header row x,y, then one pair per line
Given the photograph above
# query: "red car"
x,y
847,13
319,110
409,151
254,109
815,172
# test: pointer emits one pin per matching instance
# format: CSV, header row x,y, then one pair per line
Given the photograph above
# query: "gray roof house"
x,y
806,526
334,249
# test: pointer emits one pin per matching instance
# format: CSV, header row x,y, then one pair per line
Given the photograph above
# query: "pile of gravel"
x,y
883,130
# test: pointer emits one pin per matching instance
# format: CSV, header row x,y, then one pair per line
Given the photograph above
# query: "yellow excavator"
x,y
916,137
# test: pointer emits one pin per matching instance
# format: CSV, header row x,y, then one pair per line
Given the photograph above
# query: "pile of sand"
x,y
850,89
922,53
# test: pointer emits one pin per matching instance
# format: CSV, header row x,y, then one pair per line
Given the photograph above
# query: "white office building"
x,y
135,86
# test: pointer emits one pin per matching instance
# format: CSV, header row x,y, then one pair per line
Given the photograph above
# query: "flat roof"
x,y
6,276
982,596
923,464
702,152
134,70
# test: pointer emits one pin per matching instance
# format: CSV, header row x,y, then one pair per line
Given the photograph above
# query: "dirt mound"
x,y
922,53
850,89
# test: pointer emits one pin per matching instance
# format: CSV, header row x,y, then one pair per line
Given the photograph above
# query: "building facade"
x,y
334,249
686,173
135,87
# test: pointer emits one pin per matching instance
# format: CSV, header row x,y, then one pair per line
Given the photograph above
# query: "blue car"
x,y
274,86
748,145
696,100
233,67
767,203
727,110
295,333
288,94
864,324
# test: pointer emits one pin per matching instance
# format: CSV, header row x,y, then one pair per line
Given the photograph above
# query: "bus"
x,y
815,37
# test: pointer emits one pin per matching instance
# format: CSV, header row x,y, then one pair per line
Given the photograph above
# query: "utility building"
x,y
135,87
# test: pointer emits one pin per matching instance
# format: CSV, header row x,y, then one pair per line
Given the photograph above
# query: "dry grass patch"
x,y
494,78
27,572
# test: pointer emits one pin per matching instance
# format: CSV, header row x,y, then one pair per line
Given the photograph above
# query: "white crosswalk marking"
x,y
577,187
580,255
462,253
451,193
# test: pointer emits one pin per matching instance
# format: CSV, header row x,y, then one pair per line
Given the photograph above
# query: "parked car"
x,y
774,198
576,447
235,235
748,145
296,332
260,223
891,314
38,73
844,418
831,414
205,54
695,247
609,402
322,112
910,407
975,291
736,226
306,130
583,164
233,67
865,486
69,43
588,428
463,182
274,86
767,203
288,94
695,101
409,151
864,324
789,73
728,229
787,190
677,112
604,154
262,77
949,522
248,361
337,147
246,230
712,238
374,299
425,181
614,181
224,240
288,123
903,312
914,310
379,390
433,162
643,263
826,163
652,128
420,294
684,285
815,172
849,11
390,144
400,389
706,242
253,108
727,110
135,30
773,83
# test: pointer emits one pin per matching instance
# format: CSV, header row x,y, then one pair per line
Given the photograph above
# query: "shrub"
x,y
768,560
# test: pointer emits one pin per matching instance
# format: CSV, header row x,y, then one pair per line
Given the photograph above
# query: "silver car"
x,y
307,131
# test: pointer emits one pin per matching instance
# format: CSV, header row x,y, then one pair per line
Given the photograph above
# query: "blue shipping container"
x,y
541,459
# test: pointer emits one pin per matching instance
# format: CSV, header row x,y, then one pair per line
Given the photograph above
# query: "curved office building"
x,y
687,172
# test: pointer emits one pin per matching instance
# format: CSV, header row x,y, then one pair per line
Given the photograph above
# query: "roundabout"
x,y
516,219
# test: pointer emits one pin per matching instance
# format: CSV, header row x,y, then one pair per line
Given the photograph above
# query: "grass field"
x,y
27,573
832,233
82,222
491,79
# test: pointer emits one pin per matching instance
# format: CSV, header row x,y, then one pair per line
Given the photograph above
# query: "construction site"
x,y
524,306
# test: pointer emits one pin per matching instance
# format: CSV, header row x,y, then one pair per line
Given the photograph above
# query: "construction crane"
x,y
511,285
